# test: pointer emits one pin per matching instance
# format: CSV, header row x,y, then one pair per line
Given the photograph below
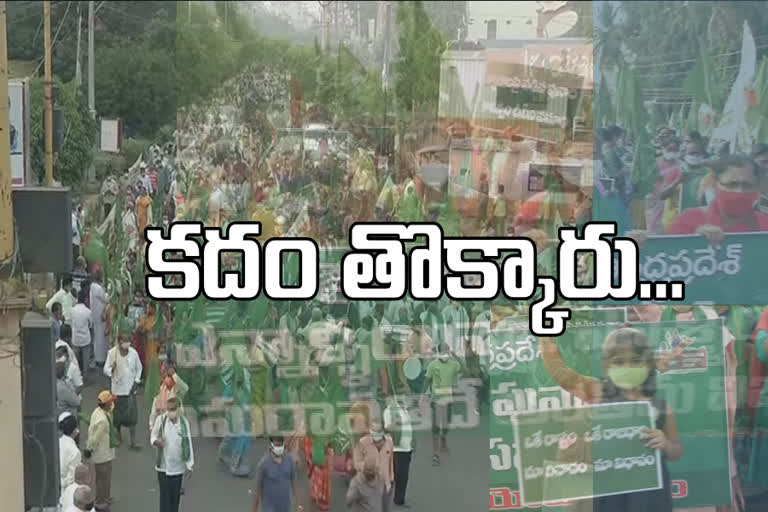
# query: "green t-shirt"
x,y
443,375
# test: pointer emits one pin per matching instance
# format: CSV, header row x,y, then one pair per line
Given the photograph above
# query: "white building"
x,y
488,21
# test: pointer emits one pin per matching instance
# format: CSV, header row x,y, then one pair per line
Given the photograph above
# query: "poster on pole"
x,y
111,135
18,125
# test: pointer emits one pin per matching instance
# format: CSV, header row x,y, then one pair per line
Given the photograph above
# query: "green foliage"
x,y
137,86
205,56
417,68
76,153
665,32
448,16
118,23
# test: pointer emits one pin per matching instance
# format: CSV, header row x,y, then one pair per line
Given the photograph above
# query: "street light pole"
x,y
6,208
48,95
91,58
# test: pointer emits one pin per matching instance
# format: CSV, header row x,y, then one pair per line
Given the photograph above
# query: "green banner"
x,y
693,385
730,274
585,452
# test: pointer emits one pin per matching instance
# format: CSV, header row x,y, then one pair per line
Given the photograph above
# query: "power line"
x,y
55,37
32,10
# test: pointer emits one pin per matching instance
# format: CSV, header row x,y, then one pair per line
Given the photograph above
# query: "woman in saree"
x,y
143,339
143,210
235,449
324,386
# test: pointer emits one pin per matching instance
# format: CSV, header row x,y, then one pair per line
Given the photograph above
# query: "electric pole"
x,y
48,95
324,25
78,70
91,87
6,208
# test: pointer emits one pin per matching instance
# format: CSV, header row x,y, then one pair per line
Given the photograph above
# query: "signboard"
x,y
111,135
585,452
574,59
18,116
693,387
731,274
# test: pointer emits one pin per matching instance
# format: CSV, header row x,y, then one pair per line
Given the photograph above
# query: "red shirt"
x,y
153,178
689,220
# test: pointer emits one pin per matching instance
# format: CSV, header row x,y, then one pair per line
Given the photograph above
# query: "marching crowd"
x,y
699,188
428,348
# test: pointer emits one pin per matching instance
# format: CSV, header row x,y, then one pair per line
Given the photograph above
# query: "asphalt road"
x,y
459,484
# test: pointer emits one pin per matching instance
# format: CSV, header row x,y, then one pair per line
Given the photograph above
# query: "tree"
x,y
206,56
118,23
75,154
416,69
448,16
138,87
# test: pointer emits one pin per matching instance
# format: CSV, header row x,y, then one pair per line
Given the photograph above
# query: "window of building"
x,y
491,30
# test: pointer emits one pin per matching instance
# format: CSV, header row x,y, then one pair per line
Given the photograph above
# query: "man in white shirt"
x,y
63,349
63,297
69,453
82,500
98,307
109,191
175,455
81,332
124,368
397,423
82,478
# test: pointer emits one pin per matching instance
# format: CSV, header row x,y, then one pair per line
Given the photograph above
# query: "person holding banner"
x,y
737,189
689,313
732,210
630,366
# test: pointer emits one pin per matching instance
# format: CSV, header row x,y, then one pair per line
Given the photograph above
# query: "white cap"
x,y
64,415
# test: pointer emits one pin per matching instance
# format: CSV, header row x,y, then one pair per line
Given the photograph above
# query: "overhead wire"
x,y
53,42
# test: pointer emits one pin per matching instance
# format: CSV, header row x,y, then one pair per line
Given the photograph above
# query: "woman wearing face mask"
x,y
663,203
733,208
629,364
695,169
